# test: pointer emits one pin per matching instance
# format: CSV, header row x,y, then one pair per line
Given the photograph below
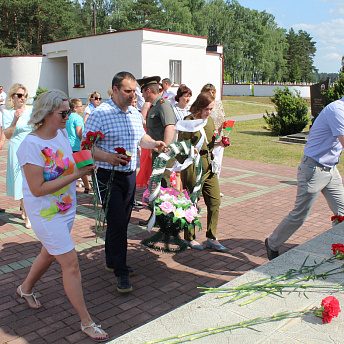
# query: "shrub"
x,y
39,91
336,91
292,114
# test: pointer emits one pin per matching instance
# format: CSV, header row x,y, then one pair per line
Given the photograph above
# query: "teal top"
x,y
14,179
74,121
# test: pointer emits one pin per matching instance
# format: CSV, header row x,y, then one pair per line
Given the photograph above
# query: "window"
x,y
176,72
78,69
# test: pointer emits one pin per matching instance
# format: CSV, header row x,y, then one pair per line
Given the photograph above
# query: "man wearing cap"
x,y
122,126
160,119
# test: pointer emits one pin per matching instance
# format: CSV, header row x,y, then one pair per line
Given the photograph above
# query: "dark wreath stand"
x,y
167,238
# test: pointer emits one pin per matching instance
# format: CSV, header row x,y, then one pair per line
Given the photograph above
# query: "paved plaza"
x,y
256,198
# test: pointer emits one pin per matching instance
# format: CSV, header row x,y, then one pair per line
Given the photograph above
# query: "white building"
x,y
79,66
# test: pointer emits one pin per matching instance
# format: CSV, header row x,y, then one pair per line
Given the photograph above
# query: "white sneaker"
x,y
221,194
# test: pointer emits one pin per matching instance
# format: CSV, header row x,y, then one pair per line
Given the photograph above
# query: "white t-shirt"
x,y
170,95
51,215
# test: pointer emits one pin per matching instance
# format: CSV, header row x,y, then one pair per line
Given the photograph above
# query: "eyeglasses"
x,y
20,95
97,98
65,113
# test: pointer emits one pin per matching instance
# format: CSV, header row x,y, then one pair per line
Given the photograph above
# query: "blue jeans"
x,y
312,178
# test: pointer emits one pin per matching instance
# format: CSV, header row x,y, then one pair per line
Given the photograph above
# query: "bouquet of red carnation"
x,y
91,139
88,145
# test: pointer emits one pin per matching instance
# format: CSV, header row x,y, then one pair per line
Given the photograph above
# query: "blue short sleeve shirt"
x,y
323,145
120,129
74,121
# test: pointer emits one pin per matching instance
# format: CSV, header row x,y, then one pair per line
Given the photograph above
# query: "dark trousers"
x,y
118,216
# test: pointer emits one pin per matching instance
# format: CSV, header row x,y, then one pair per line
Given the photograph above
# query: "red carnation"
x,y
331,308
328,310
337,218
338,250
99,135
120,150
87,144
91,136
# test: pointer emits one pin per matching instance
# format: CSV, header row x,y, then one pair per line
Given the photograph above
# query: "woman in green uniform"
x,y
201,135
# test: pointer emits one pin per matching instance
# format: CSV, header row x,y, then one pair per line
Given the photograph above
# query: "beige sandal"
x,y
97,329
22,294
27,223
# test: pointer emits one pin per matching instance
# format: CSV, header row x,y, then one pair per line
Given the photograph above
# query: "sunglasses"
x,y
20,95
97,98
65,113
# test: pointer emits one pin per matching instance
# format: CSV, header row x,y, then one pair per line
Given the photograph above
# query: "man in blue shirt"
x,y
316,173
122,126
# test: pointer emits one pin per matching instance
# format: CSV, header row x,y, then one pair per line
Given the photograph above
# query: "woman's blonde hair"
x,y
92,95
45,104
110,92
13,90
208,88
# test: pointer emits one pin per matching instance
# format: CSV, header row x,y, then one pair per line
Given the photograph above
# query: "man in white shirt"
x,y
317,173
168,94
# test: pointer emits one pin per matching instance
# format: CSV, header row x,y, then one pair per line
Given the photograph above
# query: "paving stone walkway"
x,y
257,197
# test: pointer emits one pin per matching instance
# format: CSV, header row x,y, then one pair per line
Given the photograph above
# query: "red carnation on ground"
x,y
328,310
337,218
338,250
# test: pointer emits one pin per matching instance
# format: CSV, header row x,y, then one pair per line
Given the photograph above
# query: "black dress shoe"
x,y
3,210
143,222
123,284
270,253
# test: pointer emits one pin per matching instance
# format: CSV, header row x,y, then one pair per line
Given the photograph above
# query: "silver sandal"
x,y
97,329
22,294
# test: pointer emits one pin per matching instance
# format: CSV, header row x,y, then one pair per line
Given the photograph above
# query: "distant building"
x,y
79,66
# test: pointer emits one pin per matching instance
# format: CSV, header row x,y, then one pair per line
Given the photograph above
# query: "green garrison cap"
x,y
148,81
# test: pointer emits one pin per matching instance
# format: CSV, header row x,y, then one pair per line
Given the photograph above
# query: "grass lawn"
x,y
250,141
234,108
250,99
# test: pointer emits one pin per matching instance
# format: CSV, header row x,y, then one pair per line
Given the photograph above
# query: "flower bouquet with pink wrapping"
x,y
174,208
174,212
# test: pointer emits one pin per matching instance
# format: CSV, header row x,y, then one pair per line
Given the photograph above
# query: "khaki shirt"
x,y
160,115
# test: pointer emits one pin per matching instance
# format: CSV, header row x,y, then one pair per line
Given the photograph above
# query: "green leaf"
x,y
198,223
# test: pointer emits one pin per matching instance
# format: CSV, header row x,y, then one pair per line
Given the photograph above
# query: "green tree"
x,y
291,113
26,25
336,90
176,16
299,56
96,15
145,13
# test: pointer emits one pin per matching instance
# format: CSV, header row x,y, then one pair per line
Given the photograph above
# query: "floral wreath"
x,y
169,232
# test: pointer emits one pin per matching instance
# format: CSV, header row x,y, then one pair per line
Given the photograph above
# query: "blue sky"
x,y
322,19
